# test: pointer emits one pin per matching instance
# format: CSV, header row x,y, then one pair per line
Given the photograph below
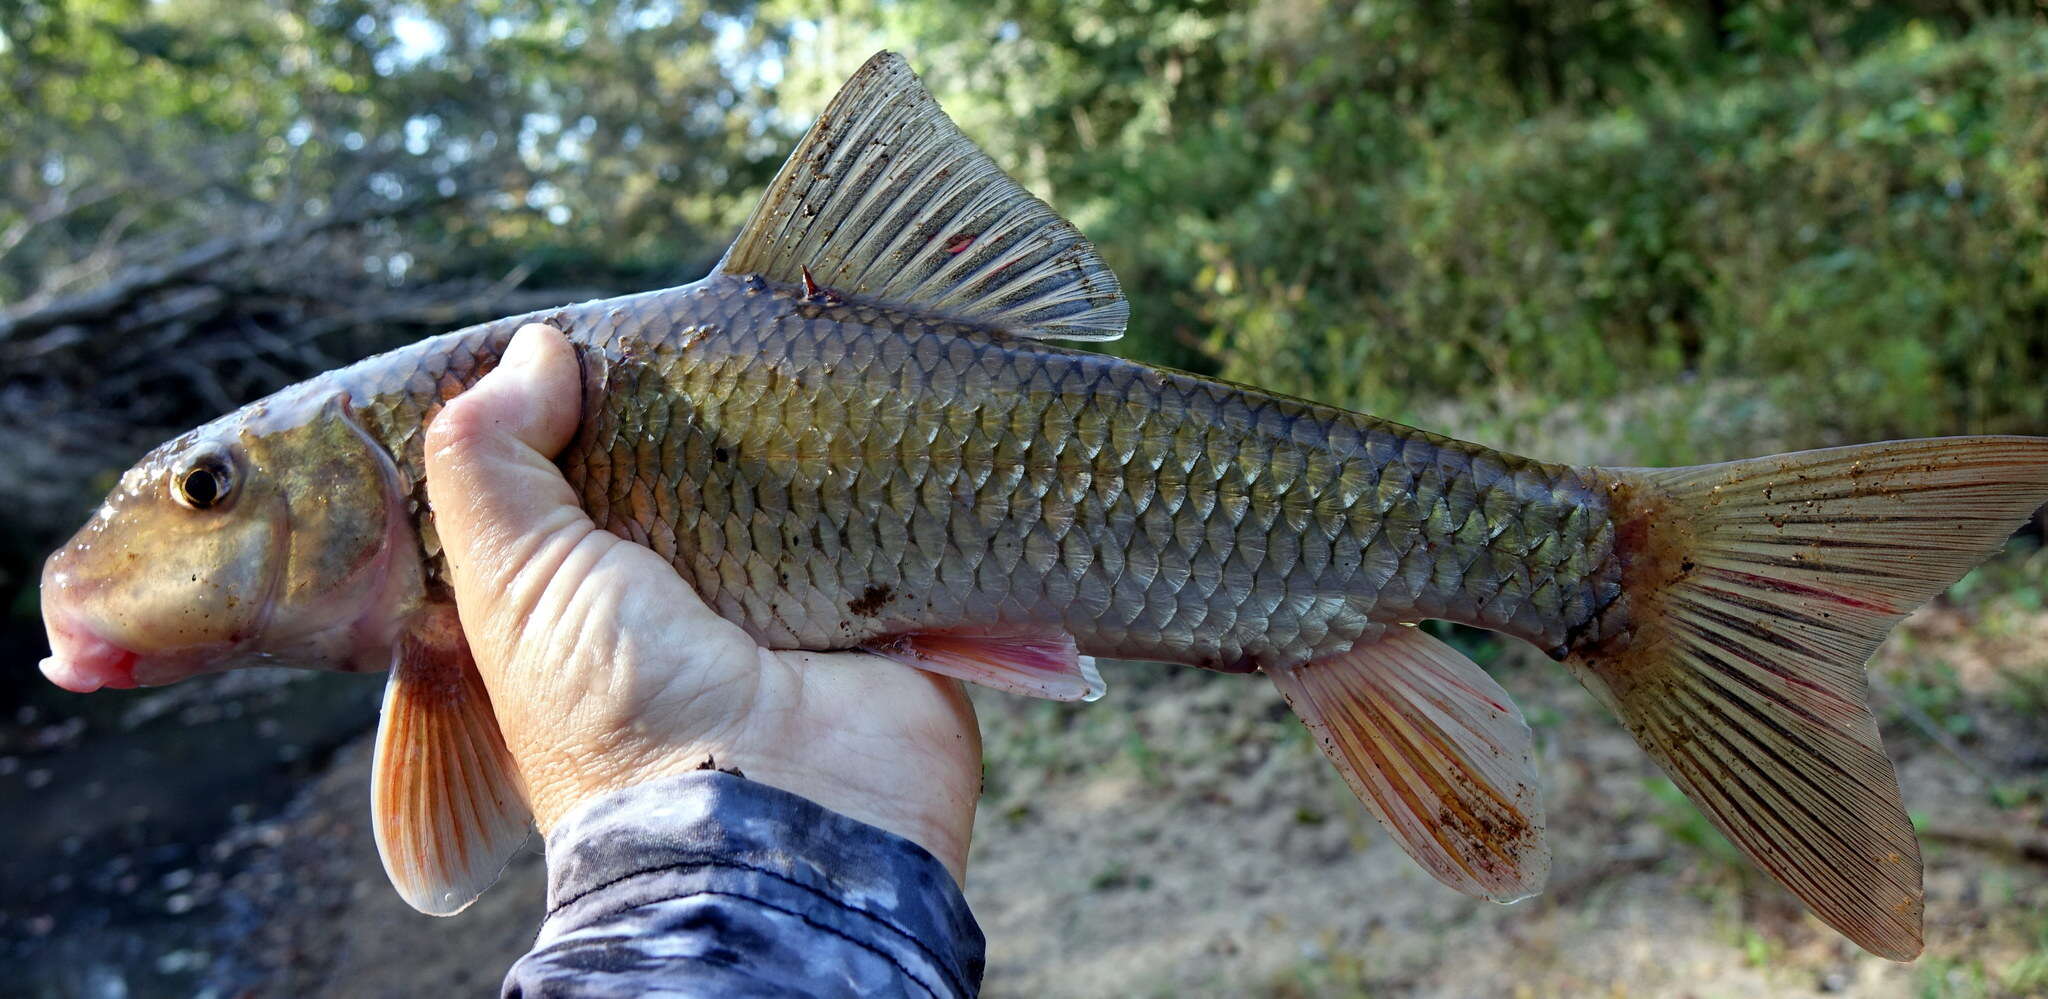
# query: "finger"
x,y
498,498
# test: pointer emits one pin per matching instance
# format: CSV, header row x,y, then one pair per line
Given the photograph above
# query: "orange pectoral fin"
x,y
1036,664
445,799
1437,752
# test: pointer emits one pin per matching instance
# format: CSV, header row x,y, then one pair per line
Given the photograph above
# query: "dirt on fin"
x,y
1437,752
1753,594
445,799
1035,664
885,200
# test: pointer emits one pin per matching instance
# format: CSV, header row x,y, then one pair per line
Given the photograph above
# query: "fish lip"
x,y
82,662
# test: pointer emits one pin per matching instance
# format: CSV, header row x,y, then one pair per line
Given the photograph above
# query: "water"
x,y
125,817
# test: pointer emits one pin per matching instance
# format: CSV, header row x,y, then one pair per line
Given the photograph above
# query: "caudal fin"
x,y
1756,591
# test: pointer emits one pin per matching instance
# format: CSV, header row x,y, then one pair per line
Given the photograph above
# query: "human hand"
x,y
606,669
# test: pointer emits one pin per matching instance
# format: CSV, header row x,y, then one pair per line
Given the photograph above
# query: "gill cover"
x,y
350,572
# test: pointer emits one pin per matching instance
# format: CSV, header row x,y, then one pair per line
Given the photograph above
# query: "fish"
x,y
860,431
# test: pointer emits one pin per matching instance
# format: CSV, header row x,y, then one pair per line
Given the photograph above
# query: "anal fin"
x,y
1036,664
1437,752
446,802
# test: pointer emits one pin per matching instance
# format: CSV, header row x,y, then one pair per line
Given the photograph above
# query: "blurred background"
x,y
1642,231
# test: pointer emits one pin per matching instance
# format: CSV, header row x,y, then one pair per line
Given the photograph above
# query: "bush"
x,y
1862,250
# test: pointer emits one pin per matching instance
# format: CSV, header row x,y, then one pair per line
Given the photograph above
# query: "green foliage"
x,y
1935,692
1681,820
606,140
2028,975
1862,249
1945,977
1758,950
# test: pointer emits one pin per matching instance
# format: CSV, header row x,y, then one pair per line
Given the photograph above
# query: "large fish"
x,y
854,434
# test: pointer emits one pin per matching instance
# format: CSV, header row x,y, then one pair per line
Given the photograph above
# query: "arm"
x,y
708,884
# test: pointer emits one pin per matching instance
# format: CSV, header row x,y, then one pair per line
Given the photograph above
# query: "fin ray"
x,y
887,200
1438,753
446,804
1035,664
1756,591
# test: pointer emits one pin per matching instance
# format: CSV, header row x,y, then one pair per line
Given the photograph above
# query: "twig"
x,y
2027,844
124,288
67,202
1932,729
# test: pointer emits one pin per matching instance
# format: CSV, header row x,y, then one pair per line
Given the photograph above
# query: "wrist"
x,y
935,825
932,824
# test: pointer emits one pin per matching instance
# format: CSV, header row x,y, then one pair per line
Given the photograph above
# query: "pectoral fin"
x,y
1438,753
1036,664
445,799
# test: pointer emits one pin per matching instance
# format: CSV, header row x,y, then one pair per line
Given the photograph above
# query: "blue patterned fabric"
x,y
709,884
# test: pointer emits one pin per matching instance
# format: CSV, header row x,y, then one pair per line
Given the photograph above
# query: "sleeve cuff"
x,y
710,832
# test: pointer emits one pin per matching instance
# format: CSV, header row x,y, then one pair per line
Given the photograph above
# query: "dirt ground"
x,y
1183,838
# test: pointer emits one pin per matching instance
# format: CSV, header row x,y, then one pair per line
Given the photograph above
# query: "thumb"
x,y
497,497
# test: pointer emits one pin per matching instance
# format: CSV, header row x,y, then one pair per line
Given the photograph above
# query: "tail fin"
x,y
1756,590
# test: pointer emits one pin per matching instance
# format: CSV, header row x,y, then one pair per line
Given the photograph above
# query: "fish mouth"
x,y
83,662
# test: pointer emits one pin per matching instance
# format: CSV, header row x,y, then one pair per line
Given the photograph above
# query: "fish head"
x,y
277,535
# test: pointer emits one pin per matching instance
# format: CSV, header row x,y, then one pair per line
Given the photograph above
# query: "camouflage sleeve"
x,y
709,884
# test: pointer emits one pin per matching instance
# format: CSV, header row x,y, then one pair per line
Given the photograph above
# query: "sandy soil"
x,y
1183,838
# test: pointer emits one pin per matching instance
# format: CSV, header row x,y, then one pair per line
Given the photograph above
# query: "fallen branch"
x,y
119,292
2029,843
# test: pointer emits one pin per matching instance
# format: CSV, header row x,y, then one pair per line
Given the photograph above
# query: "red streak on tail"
x,y
1796,589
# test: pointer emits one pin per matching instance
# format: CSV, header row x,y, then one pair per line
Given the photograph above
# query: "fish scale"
x,y
829,475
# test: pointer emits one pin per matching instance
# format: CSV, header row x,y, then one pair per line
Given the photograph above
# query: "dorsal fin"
x,y
886,200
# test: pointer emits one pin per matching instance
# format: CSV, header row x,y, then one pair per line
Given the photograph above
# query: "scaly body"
x,y
827,475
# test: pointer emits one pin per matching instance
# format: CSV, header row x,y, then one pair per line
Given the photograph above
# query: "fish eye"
x,y
206,483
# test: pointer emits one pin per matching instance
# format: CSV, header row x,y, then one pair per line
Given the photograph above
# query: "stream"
x,y
131,813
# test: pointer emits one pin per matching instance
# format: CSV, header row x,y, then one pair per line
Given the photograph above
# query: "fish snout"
x,y
81,661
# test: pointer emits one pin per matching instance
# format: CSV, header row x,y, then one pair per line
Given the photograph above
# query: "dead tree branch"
x,y
32,318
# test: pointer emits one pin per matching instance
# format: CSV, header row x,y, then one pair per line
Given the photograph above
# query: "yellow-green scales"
x,y
828,474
